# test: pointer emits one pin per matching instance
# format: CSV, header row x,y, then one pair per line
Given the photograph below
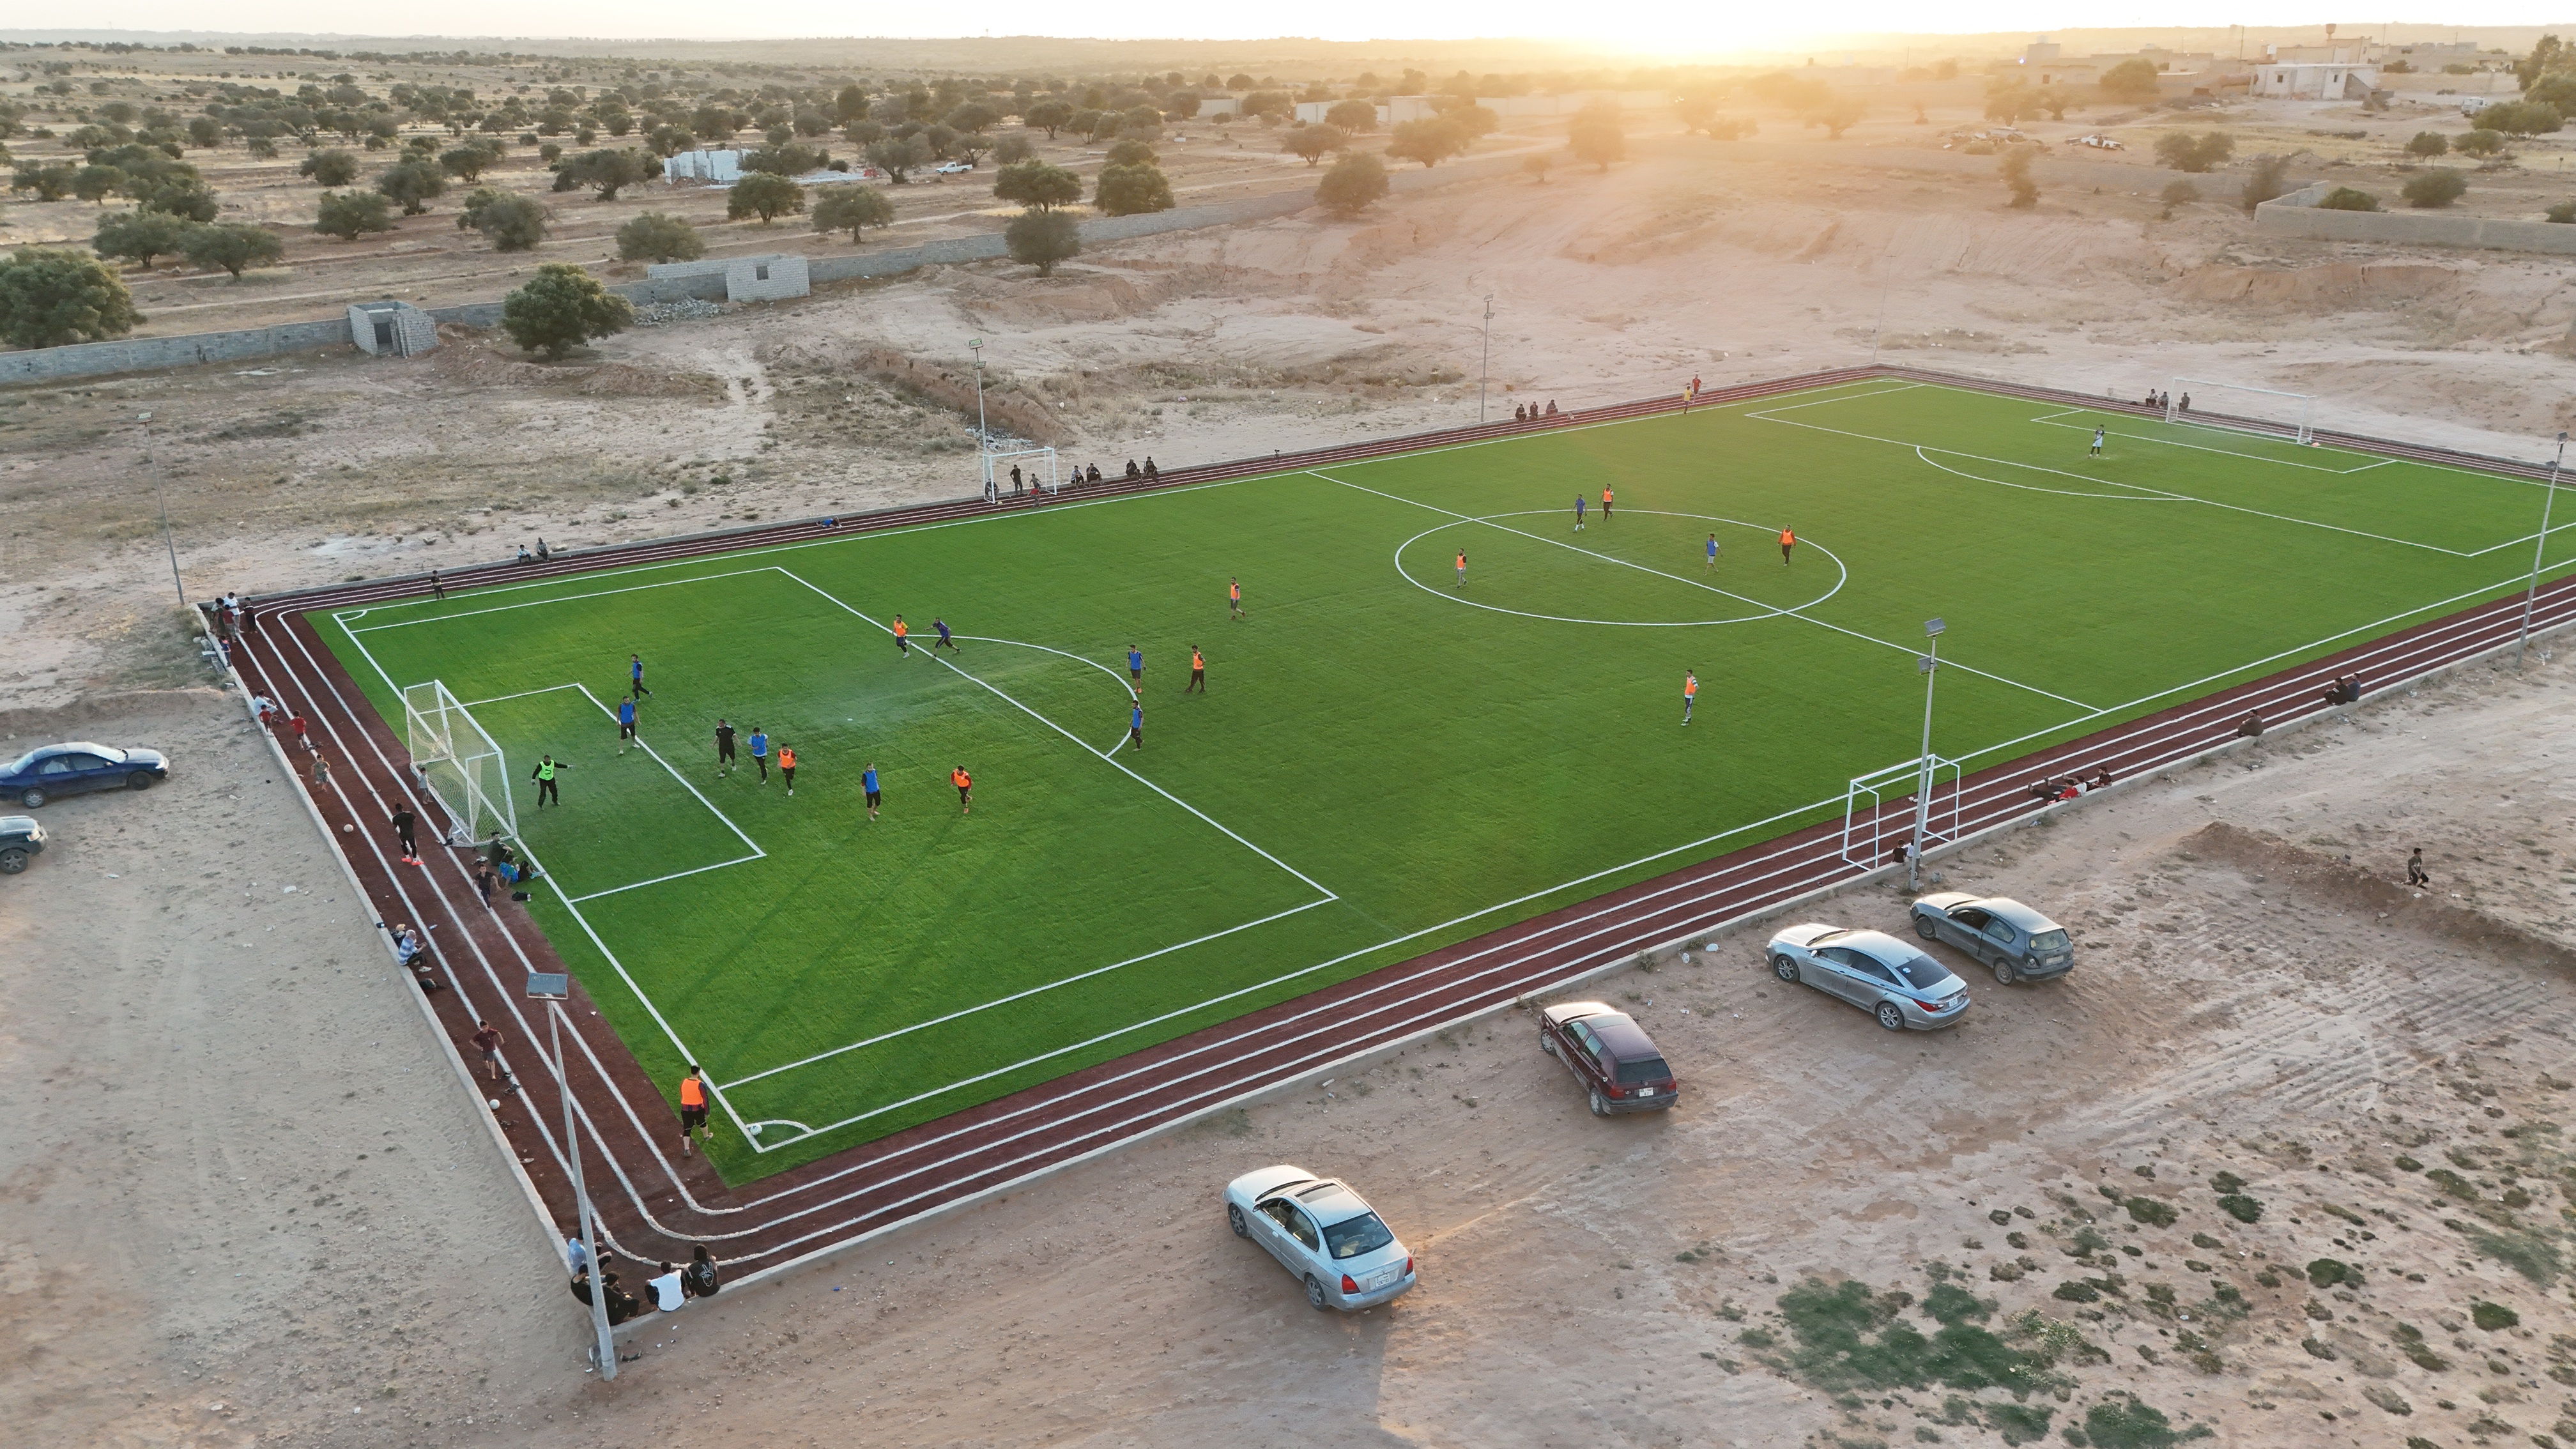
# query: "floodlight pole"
x,y
983,443
605,1351
1931,666
1484,364
2531,593
161,497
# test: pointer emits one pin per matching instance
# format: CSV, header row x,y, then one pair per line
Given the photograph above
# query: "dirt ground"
x,y
223,1090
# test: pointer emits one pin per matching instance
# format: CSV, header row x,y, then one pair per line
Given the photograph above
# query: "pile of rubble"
x,y
687,309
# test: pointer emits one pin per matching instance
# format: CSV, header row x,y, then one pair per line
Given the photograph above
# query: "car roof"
x,y
1620,1033
1331,1201
88,747
2017,913
1886,948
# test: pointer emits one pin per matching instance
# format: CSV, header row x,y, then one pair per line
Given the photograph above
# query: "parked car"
x,y
50,770
20,837
1324,1233
2100,142
952,168
1610,1055
2018,942
1874,971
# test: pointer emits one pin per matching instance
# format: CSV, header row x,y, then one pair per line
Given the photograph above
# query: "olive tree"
x,y
2428,143
2436,187
1038,185
350,215
656,237
1429,141
412,183
509,222
561,308
1313,143
1041,239
1356,180
330,167
1596,136
898,156
48,298
845,207
1354,117
608,172
1131,190
763,195
234,246
138,236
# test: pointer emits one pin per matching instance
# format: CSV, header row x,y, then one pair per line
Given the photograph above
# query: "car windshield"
x,y
23,763
1352,1237
1643,1069
1921,972
2046,941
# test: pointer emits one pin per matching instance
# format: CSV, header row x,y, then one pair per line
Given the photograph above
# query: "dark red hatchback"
x,y
1611,1055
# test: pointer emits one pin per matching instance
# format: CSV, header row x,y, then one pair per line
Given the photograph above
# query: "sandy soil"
x,y
2245,1002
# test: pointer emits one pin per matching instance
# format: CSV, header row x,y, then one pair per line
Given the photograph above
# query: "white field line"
x,y
1842,574
498,698
2135,493
1310,882
754,845
532,603
1018,996
1919,449
2049,420
1792,613
675,875
1132,695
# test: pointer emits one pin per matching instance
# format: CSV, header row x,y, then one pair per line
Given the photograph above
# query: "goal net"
x,y
2246,409
1036,469
459,764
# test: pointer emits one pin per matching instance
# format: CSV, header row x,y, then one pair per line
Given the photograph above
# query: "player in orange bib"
x,y
1690,692
1198,672
1605,503
965,784
1788,541
787,767
1462,568
902,637
693,1109
1234,597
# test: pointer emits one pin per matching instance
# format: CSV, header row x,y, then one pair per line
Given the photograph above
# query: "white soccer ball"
x,y
345,829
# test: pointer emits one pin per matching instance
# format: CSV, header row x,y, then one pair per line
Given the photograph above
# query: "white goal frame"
x,y
998,464
1868,829
459,764
2302,423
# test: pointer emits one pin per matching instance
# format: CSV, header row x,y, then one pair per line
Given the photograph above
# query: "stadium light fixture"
x,y
2531,591
554,988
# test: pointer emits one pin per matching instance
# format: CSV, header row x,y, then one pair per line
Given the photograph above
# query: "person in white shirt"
x,y
668,1295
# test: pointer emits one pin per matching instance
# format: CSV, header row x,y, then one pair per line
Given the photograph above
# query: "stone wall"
x,y
2298,215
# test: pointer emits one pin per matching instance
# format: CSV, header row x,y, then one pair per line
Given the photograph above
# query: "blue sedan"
x,y
43,773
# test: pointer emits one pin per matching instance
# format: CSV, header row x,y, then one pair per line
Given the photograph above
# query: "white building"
x,y
2316,81
721,167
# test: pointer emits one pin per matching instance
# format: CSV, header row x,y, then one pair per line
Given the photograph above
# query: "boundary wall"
x,y
2298,215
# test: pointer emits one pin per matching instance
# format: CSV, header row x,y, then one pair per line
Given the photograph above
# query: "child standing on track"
x,y
868,782
965,784
760,752
902,637
787,766
724,747
625,722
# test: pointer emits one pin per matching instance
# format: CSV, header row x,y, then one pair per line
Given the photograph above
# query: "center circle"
x,y
1842,575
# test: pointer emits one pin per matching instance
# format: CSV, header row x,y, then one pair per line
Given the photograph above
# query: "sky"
x,y
1669,27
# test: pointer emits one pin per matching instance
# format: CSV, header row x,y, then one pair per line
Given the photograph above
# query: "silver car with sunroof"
x,y
1324,1233
1888,978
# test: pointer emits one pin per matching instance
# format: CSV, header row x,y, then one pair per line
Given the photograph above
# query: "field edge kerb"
x,y
611,558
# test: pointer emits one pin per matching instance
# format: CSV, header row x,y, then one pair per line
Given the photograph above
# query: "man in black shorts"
x,y
487,1040
724,748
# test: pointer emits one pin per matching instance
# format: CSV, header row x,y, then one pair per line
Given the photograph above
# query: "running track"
x,y
655,1204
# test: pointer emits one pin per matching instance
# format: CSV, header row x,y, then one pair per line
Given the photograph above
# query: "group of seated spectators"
x,y
2346,690
2165,399
667,1292
1531,412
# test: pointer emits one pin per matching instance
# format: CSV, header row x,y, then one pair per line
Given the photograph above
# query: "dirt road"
x,y
224,1078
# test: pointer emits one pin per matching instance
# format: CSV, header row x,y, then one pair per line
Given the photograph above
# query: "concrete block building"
x,y
391,329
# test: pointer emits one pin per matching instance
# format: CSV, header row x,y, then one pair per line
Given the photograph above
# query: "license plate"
x,y
1381,1278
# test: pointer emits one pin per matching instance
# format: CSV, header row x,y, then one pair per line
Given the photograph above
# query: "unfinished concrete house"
x,y
391,329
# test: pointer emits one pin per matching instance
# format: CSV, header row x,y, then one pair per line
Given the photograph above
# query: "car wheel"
x,y
1923,927
1600,1108
1234,1220
1891,1016
1547,1044
32,799
1315,1293
2004,974
1785,969
139,780
12,861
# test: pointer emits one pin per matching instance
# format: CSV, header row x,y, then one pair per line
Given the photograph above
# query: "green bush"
x,y
350,215
234,246
2428,143
562,307
2480,143
1131,190
2519,118
655,237
1355,181
2184,151
330,167
1041,238
2437,187
2344,198
2563,211
48,298
2492,1317
2240,1207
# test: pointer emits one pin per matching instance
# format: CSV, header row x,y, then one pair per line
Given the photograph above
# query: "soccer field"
x,y
1385,760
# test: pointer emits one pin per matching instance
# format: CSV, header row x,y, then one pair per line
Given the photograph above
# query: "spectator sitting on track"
x,y
622,1305
1131,468
2101,778
1150,470
524,556
1551,407
544,552
699,1278
668,1294
580,1281
2250,727
1095,473
406,945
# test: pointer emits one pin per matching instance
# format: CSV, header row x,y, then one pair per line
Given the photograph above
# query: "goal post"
x,y
459,763
1036,465
2236,405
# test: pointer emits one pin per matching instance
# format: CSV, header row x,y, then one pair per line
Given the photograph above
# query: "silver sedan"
x,y
1874,971
1323,1233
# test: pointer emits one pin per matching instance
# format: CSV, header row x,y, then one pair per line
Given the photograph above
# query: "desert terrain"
x,y
2282,1163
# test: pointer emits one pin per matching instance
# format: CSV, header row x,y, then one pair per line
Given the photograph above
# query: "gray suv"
x,y
2018,942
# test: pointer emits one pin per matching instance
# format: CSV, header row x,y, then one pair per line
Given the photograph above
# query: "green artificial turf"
x,y
1384,762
